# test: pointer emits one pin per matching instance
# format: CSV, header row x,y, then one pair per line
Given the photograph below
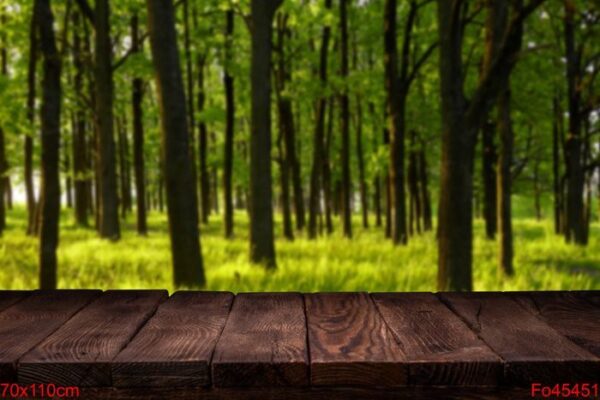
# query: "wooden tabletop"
x,y
119,343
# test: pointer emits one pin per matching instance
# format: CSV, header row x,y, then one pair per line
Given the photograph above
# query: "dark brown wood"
x,y
79,352
350,343
28,322
263,343
532,350
337,393
440,348
567,312
11,297
175,347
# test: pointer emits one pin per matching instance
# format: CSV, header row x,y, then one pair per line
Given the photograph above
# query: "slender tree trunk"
x,y
537,190
504,184
50,137
103,73
377,200
262,245
489,161
189,73
426,198
68,175
205,192
395,107
284,170
180,178
318,139
28,156
80,162
364,195
413,184
345,125
575,230
558,198
229,127
138,136
327,197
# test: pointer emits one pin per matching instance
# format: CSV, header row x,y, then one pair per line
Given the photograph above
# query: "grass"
x,y
369,262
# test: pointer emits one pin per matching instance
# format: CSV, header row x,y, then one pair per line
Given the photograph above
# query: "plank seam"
x,y
539,317
92,300
212,353
468,325
133,335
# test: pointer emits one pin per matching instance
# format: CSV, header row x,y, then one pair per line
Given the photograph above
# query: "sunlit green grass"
x,y
369,262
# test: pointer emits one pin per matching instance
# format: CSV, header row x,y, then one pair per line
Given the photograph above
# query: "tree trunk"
x,y
327,197
262,245
575,226
318,139
395,109
50,138
413,184
460,122
103,74
28,156
284,170
504,185
489,161
68,174
138,136
180,179
205,202
557,186
364,195
424,184
229,127
345,125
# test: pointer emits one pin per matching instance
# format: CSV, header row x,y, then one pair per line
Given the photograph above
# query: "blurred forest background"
x,y
310,145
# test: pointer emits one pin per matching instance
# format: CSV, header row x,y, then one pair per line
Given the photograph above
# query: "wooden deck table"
x,y
214,345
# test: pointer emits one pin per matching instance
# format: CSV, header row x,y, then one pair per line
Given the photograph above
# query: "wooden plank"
x,y
80,351
532,350
263,343
567,312
350,343
440,348
175,347
31,320
10,297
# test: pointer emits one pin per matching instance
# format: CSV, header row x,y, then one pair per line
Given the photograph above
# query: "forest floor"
x,y
368,262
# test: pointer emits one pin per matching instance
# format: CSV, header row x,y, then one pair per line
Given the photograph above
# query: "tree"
x,y
138,135
575,218
180,180
229,127
28,145
398,82
108,206
460,122
345,124
319,135
262,246
50,138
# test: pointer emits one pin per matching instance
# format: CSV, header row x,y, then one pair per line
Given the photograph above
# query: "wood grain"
x,y
10,297
567,312
29,321
350,343
531,349
80,351
263,343
440,348
175,347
